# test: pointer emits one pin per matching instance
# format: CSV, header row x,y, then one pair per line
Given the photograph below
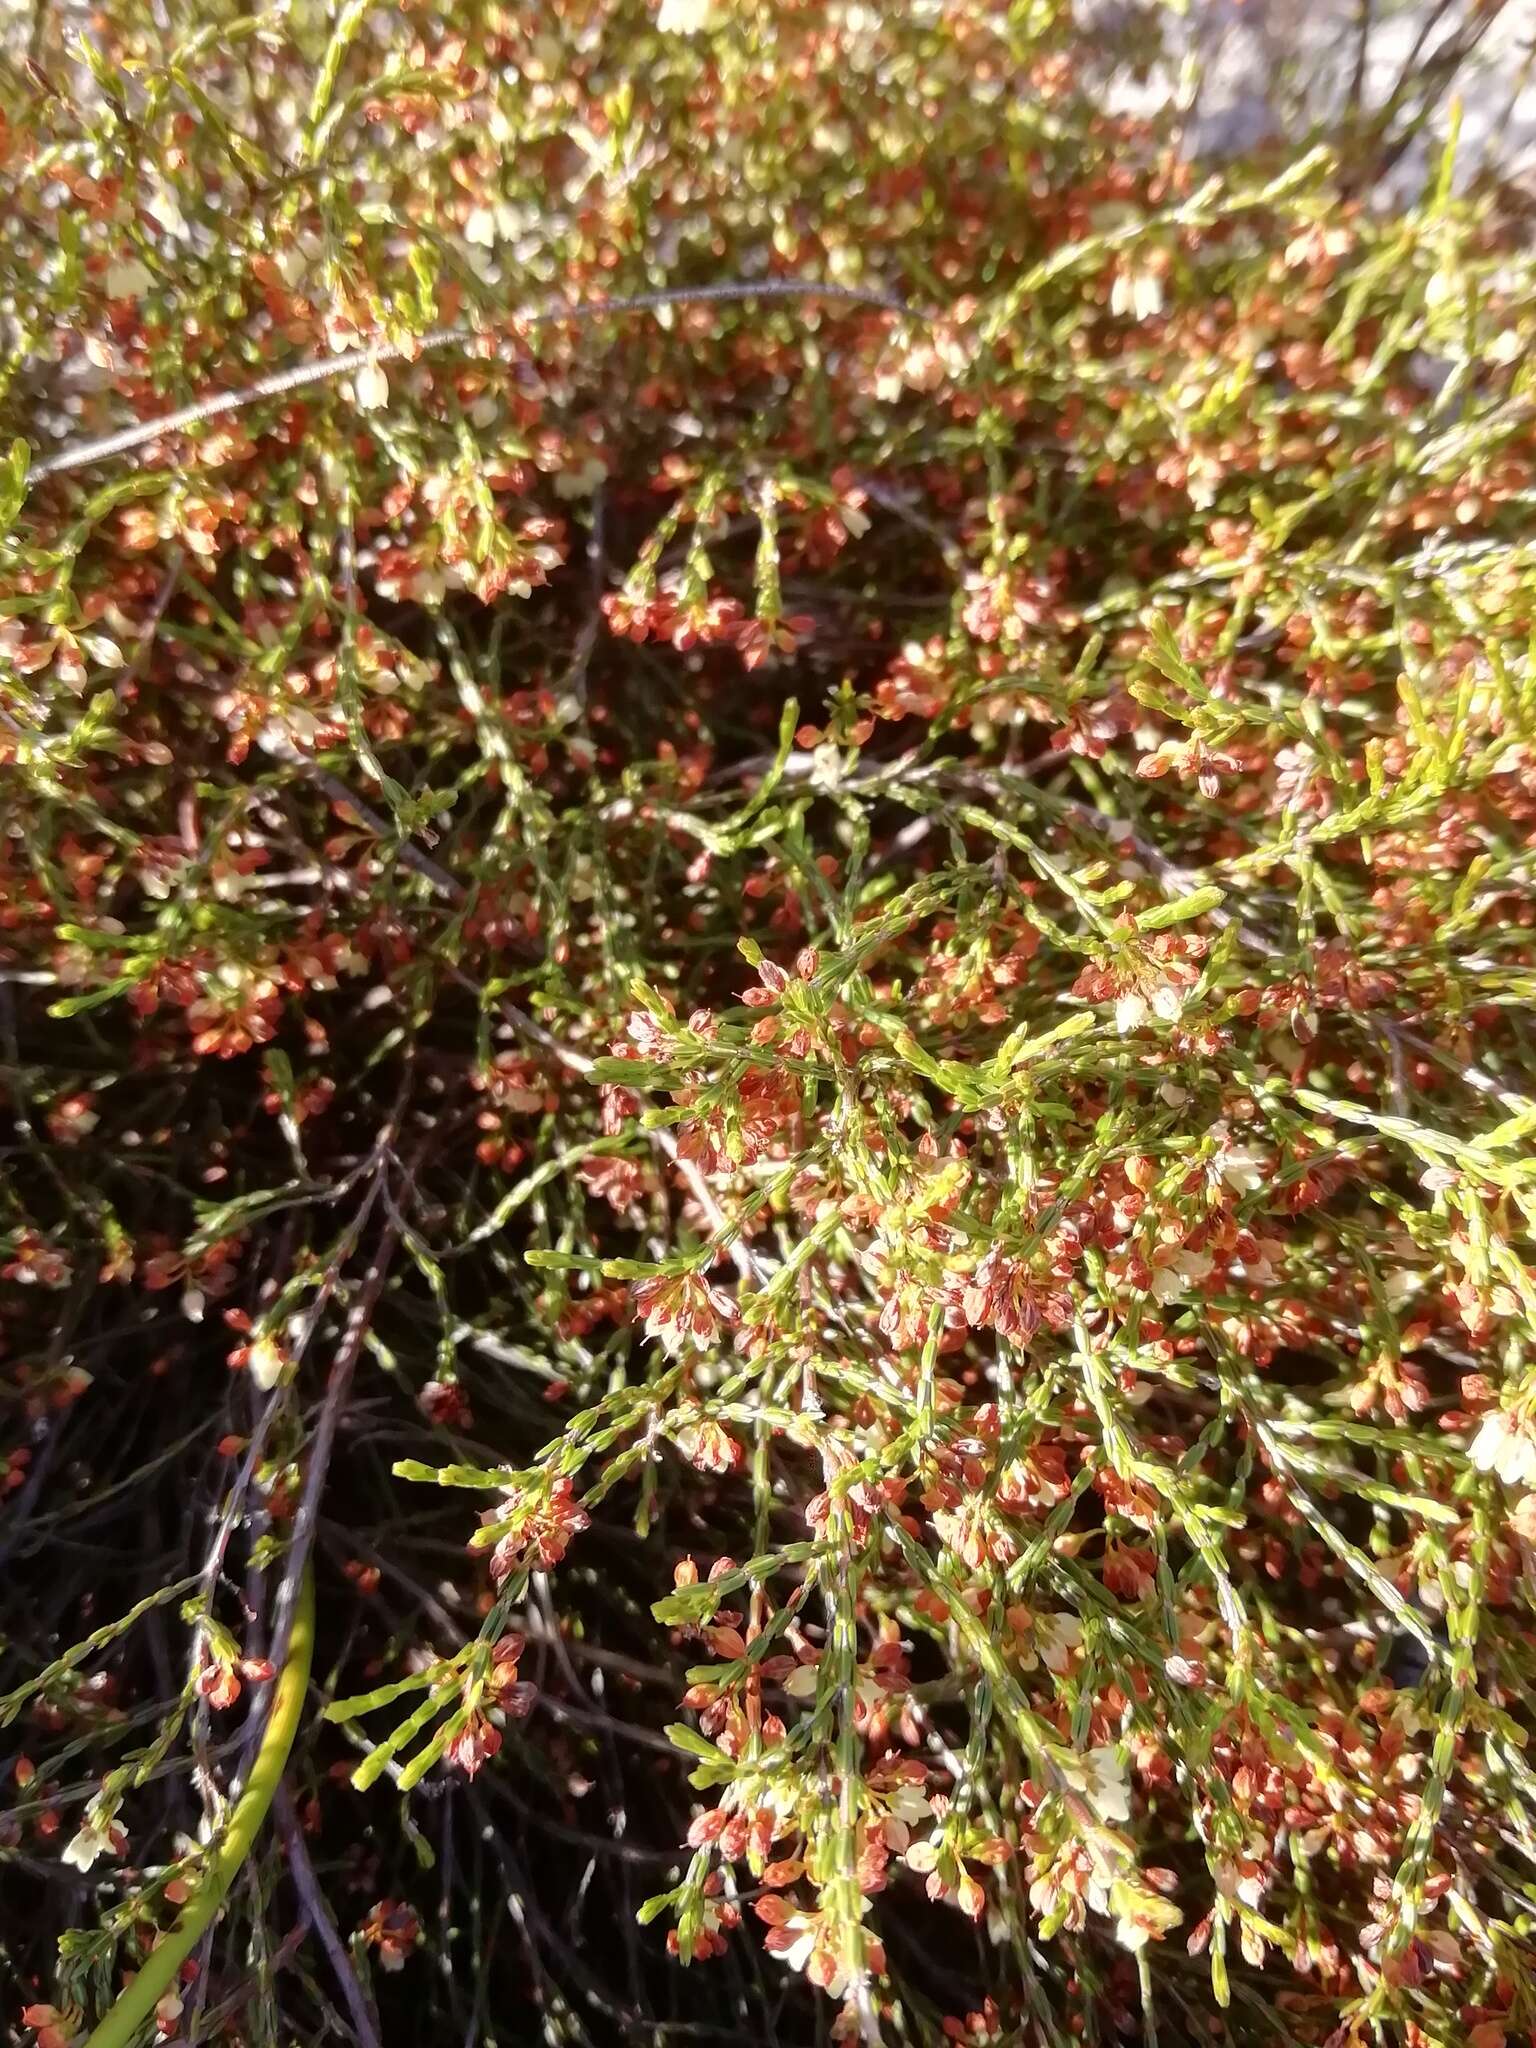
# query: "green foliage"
x,y
766,794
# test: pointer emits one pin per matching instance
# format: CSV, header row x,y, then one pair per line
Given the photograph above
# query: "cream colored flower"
x,y
370,387
1057,1636
685,17
1109,1785
1506,1445
1184,1270
97,1835
265,1364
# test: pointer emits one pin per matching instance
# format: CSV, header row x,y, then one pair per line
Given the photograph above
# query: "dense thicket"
x,y
772,800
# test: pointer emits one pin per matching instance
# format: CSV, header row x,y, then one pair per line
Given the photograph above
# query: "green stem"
x,y
135,2004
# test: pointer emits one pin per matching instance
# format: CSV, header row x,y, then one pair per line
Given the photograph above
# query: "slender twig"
x,y
354,1334
159,1972
323,369
320,1917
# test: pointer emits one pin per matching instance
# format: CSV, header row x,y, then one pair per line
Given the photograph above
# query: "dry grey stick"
x,y
320,1918
320,370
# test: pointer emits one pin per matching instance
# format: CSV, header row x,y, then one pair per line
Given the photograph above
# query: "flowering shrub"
x,y
772,800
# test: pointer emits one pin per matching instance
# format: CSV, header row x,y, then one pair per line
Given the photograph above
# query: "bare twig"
x,y
318,1913
548,312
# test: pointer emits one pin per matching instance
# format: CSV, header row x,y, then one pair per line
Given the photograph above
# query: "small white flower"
x,y
1502,1446
798,1954
910,1804
265,1364
1130,1011
802,1682
86,1846
130,280
1241,1881
94,1838
1136,292
806,1929
1488,1444
164,208
1186,1269
1103,1781
685,18
370,387
1058,1635
1109,1785
1243,1168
